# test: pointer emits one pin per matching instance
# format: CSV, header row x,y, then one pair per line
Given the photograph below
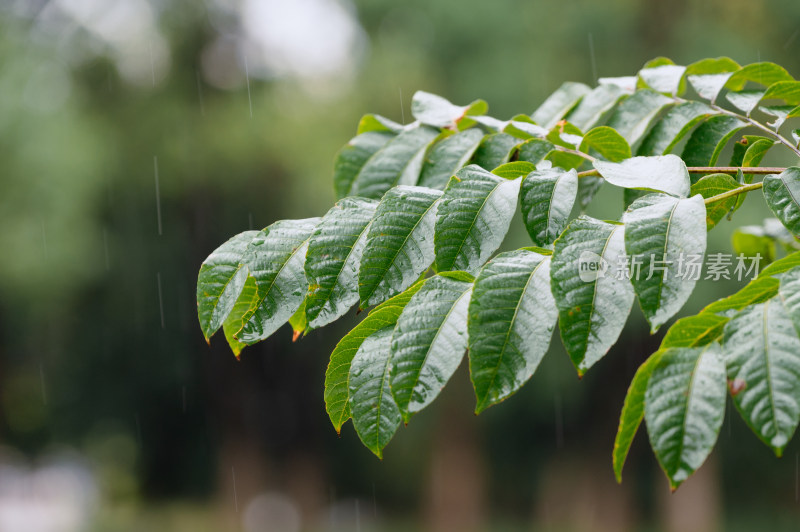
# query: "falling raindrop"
x,y
158,194
105,249
402,111
152,64
200,93
592,58
247,77
559,421
235,498
138,430
160,298
791,39
250,218
44,390
44,241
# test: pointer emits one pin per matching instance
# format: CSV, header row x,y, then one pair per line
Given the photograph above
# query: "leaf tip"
x,y
296,335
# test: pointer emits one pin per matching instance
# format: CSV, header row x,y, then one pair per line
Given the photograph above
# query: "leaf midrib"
x,y
508,331
400,248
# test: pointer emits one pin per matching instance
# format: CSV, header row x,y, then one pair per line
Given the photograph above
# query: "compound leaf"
x,y
684,408
333,258
546,198
558,104
337,376
665,173
511,319
762,354
662,235
398,162
353,156
593,299
375,414
473,218
782,193
447,156
632,413
399,244
275,257
221,278
429,341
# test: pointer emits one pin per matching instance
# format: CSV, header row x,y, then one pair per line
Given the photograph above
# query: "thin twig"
x,y
735,192
714,170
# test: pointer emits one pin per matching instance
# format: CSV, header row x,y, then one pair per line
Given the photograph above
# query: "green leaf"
x,y
684,408
749,152
496,149
534,150
399,244
607,142
751,241
711,185
756,151
333,259
785,264
298,321
764,73
632,413
429,342
558,104
436,111
694,331
398,162
673,126
708,76
782,193
353,156
511,319
762,354
789,291
633,116
523,127
245,303
707,141
375,414
337,376
662,234
546,198
594,105
446,157
275,258
220,281
378,123
745,100
665,173
756,291
593,299
473,218
665,78
788,91
514,169
566,135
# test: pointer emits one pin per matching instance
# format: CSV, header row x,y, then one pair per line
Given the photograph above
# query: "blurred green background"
x,y
137,135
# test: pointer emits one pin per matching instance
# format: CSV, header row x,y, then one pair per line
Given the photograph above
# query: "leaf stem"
x,y
714,170
576,152
777,136
735,192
